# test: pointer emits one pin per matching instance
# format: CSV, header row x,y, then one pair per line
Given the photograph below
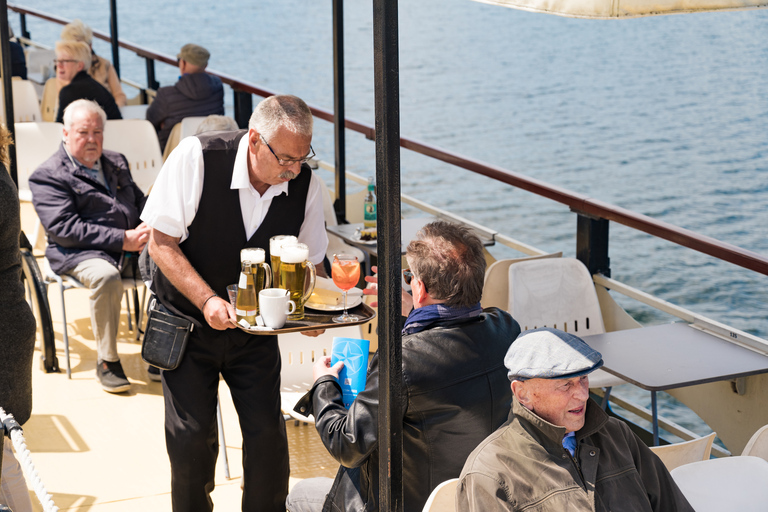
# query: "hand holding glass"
x,y
345,271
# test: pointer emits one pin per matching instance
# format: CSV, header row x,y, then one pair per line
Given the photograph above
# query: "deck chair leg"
x,y
64,330
222,440
606,397
128,307
137,311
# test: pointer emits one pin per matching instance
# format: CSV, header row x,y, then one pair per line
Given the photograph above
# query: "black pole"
x,y
592,244
5,72
338,110
113,36
23,22
387,102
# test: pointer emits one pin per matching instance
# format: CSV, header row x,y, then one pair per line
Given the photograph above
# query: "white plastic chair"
x,y
40,64
35,143
558,293
26,106
677,454
758,444
189,125
496,282
137,140
443,497
134,111
729,483
298,353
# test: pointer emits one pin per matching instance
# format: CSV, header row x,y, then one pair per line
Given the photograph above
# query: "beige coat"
x,y
103,72
524,467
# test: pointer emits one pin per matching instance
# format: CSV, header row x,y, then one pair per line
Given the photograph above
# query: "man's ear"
x,y
418,291
521,392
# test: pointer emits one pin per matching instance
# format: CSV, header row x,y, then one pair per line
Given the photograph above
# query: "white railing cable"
x,y
12,427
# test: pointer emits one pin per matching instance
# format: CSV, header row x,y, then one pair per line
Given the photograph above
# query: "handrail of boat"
x,y
580,203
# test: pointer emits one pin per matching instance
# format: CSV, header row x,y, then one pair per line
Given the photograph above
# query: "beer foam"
x,y
295,254
276,242
255,256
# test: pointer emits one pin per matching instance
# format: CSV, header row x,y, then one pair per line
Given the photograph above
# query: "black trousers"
x,y
250,365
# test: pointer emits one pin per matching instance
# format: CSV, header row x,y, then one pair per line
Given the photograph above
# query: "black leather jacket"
x,y
455,391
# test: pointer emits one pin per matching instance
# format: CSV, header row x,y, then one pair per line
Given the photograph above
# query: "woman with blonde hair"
x,y
101,69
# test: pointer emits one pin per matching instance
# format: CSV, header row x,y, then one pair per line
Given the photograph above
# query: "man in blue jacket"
x,y
195,94
89,206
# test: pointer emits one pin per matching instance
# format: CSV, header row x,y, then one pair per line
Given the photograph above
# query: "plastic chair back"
x,y
677,454
298,353
557,293
26,107
49,100
443,497
729,483
137,140
35,143
758,444
496,282
40,64
189,125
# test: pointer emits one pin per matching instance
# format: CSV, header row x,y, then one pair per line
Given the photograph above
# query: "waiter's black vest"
x,y
217,234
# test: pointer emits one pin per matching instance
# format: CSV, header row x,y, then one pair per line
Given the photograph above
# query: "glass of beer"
x,y
294,267
262,274
275,247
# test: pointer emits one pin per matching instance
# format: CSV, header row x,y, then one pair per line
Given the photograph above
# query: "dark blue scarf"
x,y
422,318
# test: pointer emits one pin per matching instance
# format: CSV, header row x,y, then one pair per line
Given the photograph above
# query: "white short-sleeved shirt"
x,y
172,205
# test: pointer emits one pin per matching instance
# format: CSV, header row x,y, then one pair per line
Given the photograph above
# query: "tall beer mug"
x,y
275,249
294,267
262,274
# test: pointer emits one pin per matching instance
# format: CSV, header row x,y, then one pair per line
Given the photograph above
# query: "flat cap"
x,y
194,54
547,353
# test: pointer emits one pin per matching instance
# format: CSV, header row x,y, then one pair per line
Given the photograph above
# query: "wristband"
x,y
202,308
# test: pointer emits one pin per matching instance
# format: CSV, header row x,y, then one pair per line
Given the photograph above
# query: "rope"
x,y
13,429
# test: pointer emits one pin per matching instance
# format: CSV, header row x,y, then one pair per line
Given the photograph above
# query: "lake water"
x,y
667,116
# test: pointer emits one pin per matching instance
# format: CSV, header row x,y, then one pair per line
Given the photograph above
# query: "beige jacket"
x,y
524,467
103,72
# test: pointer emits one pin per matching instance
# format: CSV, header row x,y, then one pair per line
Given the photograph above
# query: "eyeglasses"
x,y
286,163
64,61
408,276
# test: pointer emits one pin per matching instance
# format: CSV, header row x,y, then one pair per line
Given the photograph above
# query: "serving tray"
x,y
316,320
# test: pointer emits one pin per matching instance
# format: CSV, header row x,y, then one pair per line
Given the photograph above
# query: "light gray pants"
x,y
13,487
308,495
106,285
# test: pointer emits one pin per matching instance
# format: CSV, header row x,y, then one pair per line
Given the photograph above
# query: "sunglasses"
x,y
408,276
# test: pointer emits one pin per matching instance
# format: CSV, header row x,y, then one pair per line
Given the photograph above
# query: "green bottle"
x,y
369,215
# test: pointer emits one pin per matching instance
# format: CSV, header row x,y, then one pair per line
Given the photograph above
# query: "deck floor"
x,y
102,452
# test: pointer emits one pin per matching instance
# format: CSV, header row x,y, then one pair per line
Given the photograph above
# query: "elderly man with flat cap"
x,y
197,93
559,451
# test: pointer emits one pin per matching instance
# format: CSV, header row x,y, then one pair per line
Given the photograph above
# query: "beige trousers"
x,y
106,285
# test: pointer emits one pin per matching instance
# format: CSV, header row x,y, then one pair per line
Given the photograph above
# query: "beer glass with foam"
x,y
294,268
275,247
261,274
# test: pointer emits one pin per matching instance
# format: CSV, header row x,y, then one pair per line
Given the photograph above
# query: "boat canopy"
x,y
621,9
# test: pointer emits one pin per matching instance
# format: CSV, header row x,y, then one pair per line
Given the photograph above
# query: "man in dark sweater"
x,y
219,193
73,59
195,94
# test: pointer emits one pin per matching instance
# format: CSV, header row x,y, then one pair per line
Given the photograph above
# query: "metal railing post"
x,y
151,82
23,22
387,107
113,35
340,205
243,108
592,244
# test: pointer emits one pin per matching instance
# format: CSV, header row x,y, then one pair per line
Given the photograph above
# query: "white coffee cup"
x,y
275,305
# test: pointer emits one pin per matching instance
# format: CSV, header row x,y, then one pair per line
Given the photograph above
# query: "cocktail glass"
x,y
345,271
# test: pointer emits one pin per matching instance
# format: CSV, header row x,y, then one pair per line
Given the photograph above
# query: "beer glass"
x,y
294,267
262,274
275,247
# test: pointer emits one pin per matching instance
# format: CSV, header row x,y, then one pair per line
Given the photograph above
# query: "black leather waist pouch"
x,y
165,339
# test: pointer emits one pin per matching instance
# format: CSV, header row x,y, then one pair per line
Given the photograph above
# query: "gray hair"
x,y
449,260
217,123
281,111
77,31
79,51
84,105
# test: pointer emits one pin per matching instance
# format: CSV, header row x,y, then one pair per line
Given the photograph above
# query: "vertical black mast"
x,y
113,36
387,102
338,110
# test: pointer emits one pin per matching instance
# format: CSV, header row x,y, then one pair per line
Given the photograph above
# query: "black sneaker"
x,y
154,373
112,377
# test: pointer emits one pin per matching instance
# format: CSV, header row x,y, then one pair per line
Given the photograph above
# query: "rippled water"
x,y
666,116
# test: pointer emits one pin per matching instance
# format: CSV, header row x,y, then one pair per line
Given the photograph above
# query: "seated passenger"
x,y
89,206
559,450
195,94
73,59
101,69
217,123
454,383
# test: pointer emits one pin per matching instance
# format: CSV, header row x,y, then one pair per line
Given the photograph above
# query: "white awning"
x,y
620,9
